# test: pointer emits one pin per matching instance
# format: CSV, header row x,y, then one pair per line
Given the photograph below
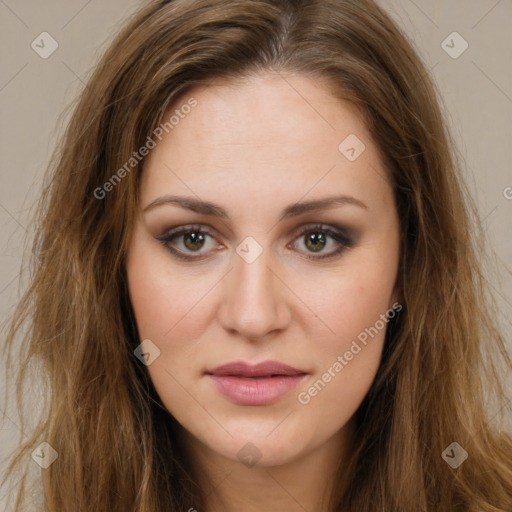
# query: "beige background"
x,y
476,87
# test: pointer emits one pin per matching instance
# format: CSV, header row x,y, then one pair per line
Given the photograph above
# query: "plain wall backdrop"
x,y
472,68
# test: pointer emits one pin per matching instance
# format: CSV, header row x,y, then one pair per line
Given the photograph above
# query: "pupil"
x,y
197,240
315,239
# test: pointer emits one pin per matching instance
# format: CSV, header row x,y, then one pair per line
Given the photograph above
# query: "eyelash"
x,y
336,234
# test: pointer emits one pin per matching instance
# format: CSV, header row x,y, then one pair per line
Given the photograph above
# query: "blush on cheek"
x,y
157,298
347,312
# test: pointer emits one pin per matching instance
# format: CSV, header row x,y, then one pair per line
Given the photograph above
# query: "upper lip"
x,y
264,369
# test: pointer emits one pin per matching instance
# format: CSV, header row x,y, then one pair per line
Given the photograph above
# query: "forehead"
x,y
269,109
265,134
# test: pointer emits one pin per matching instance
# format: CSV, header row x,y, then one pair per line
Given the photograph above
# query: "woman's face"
x,y
290,258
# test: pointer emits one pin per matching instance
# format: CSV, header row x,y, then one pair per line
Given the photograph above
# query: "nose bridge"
x,y
253,297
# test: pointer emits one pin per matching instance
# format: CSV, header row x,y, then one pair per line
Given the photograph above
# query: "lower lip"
x,y
254,390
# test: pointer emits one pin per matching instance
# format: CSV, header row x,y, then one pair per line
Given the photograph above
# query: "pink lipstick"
x,y
260,384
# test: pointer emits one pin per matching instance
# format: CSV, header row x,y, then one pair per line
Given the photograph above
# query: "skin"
x,y
254,147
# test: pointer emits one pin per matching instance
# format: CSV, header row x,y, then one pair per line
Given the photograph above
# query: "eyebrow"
x,y
293,210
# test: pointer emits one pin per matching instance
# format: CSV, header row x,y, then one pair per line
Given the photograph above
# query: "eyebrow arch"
x,y
293,210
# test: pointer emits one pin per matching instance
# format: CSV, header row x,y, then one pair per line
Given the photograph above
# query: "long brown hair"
x,y
443,358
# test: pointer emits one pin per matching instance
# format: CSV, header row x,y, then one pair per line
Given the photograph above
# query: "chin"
x,y
257,443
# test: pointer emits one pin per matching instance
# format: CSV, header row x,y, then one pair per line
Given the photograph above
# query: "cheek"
x,y
348,358
349,303
352,305
166,305
164,297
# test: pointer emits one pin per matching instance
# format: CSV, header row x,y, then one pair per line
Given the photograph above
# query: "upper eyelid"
x,y
178,231
207,229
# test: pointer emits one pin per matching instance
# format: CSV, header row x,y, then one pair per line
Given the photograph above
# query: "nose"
x,y
255,299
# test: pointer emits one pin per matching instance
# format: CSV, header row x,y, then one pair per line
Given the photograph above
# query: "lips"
x,y
265,369
260,384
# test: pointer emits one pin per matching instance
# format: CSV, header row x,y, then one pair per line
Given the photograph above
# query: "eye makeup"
x,y
193,238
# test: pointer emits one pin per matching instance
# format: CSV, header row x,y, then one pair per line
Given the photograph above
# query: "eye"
x,y
193,239
316,238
